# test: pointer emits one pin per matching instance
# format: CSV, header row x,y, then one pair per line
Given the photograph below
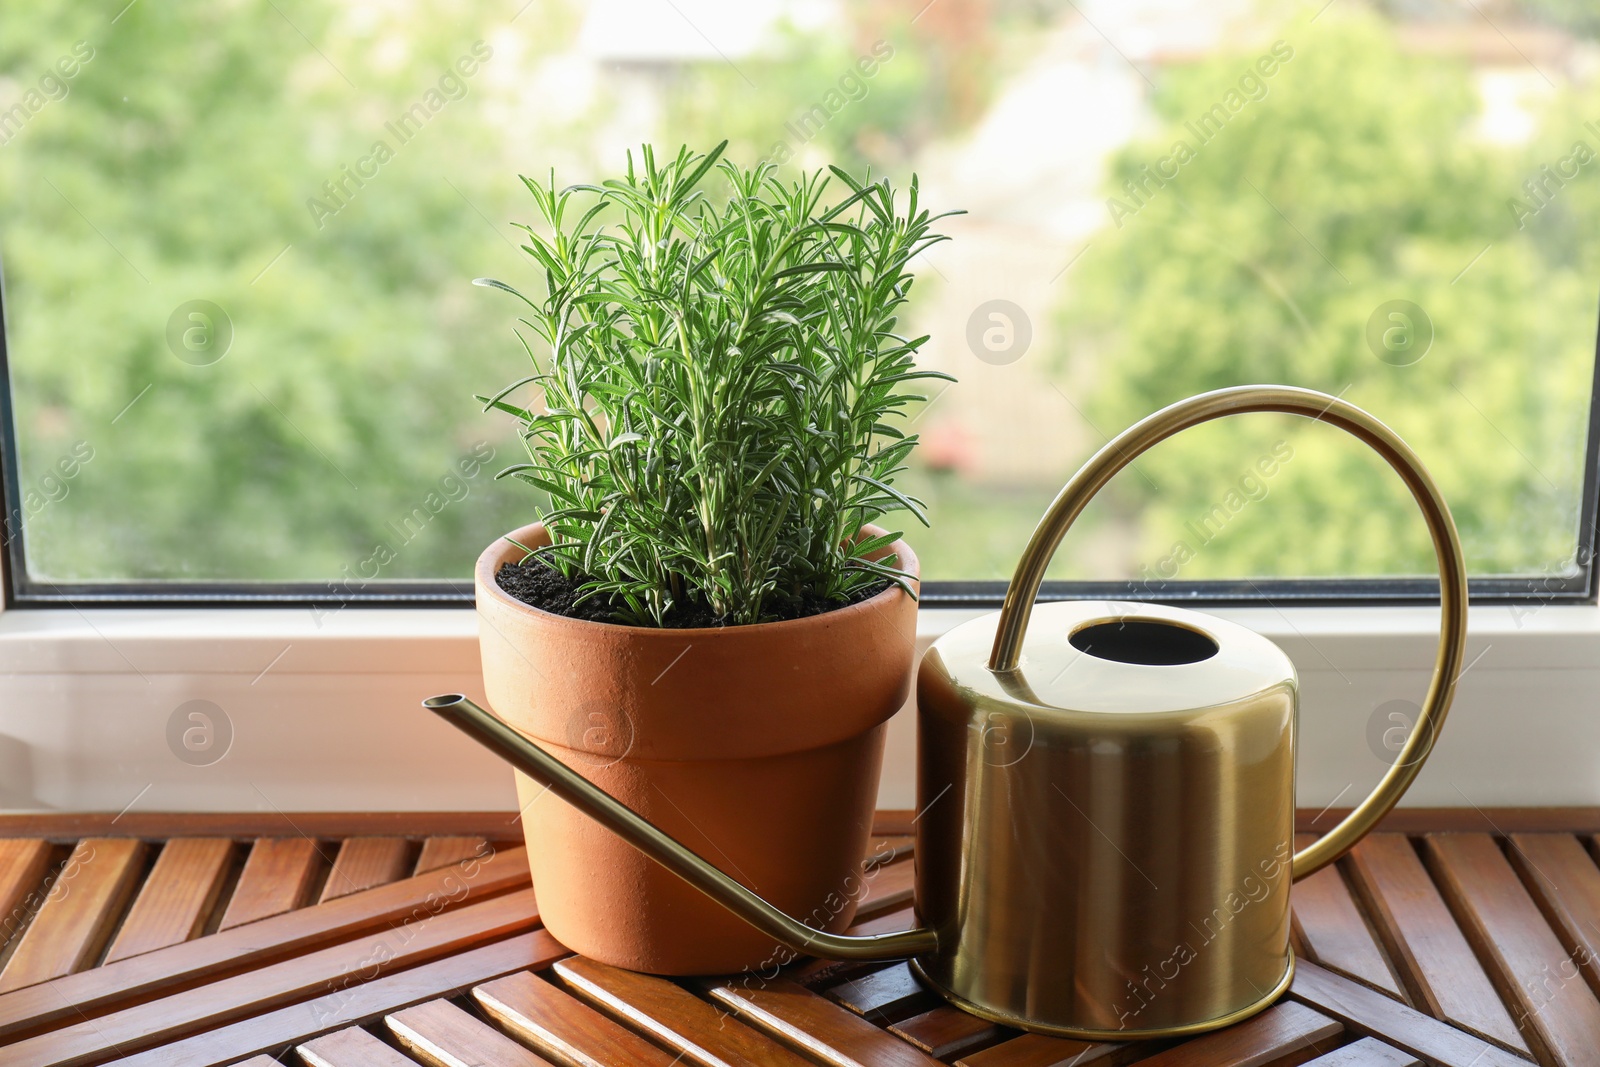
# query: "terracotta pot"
x,y
757,746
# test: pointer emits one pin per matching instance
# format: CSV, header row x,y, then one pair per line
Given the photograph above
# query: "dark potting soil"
x,y
538,584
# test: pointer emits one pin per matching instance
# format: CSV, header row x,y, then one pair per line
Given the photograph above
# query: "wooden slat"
x,y
78,914
1283,1028
277,877
1565,883
893,822
899,919
1506,928
675,1017
1367,1011
888,887
823,972
176,898
113,985
334,825
889,875
1529,906
816,1026
885,850
443,851
1330,926
883,906
353,1047
886,995
259,1061
335,1011
1408,820
503,825
945,1032
274,985
364,862
23,864
1036,1050
819,974
442,1035
1368,1052
562,1027
1435,962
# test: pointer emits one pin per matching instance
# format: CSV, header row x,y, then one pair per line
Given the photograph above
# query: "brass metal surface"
x,y
1175,418
1105,846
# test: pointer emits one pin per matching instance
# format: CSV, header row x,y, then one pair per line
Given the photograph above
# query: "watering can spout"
x,y
494,734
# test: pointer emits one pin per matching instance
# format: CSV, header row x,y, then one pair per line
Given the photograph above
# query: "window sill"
x,y
324,711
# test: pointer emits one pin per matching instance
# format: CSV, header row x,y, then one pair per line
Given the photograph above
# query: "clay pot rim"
x,y
500,549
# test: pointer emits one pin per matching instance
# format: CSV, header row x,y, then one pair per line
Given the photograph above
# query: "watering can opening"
x,y
1152,642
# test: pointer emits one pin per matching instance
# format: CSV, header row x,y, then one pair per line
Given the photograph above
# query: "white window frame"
x,y
325,717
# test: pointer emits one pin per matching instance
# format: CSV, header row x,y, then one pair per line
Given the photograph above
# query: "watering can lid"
x,y
1116,657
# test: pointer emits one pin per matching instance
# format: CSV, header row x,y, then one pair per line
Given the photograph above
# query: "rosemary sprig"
x,y
714,419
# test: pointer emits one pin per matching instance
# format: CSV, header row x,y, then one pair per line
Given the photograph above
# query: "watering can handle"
x,y
1125,447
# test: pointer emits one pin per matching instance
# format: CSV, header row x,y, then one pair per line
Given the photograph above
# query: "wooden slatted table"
x,y
1465,939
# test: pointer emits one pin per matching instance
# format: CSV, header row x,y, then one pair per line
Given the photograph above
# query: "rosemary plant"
x,y
714,420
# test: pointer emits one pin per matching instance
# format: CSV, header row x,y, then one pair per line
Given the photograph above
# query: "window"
x,y
241,347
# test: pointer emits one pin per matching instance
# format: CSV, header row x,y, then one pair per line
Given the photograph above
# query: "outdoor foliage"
x,y
179,166
1355,180
714,422
178,160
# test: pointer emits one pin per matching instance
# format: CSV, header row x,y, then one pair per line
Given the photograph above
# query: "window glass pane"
x,y
238,240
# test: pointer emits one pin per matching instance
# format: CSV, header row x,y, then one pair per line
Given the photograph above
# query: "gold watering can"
x,y
1104,844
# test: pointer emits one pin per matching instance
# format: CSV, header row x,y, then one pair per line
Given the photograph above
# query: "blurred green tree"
x,y
189,156
1348,178
212,152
